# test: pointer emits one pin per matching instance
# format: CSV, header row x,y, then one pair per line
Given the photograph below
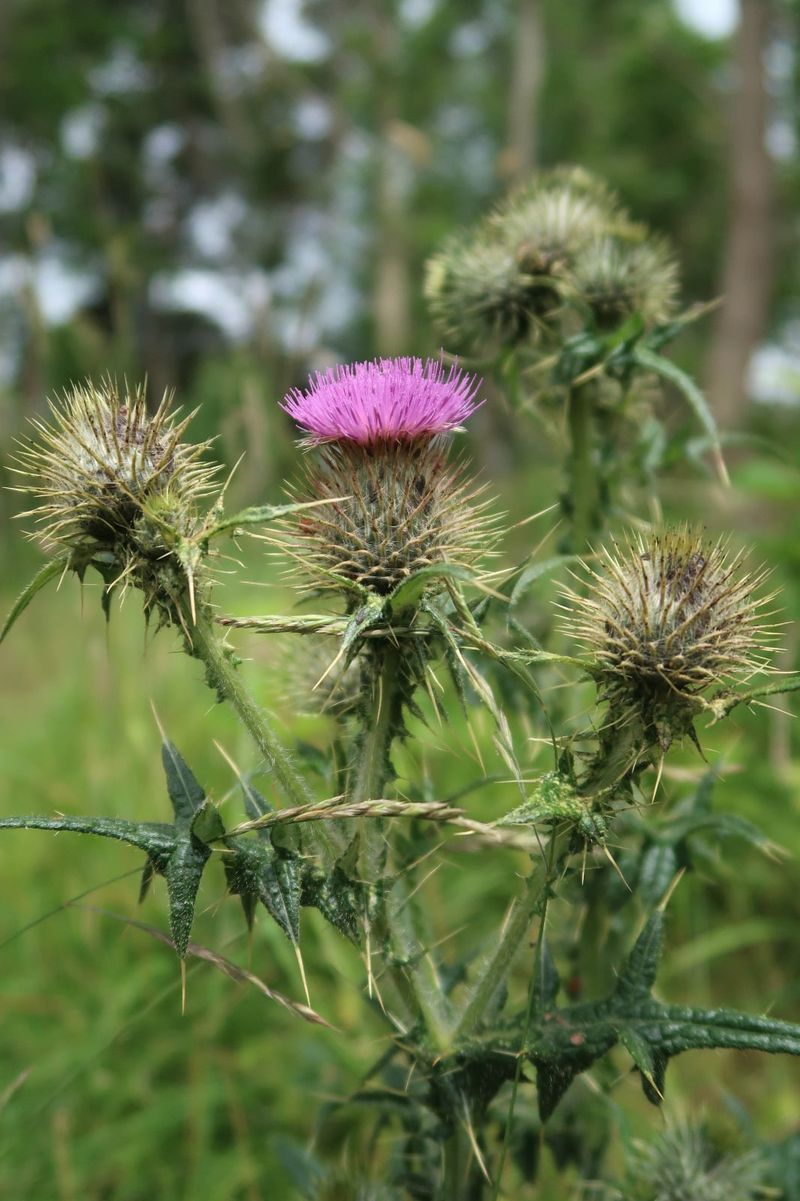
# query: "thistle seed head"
x,y
394,509
668,616
615,279
102,463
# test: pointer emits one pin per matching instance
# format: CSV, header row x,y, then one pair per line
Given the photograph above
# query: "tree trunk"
x,y
747,266
526,80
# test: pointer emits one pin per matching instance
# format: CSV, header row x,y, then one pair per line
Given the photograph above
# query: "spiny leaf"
x,y
155,838
256,870
46,573
643,1056
552,1082
656,872
185,793
207,825
183,874
639,972
689,389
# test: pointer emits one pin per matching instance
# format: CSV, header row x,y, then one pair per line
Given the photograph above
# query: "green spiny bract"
x,y
669,616
119,490
683,1165
395,508
613,280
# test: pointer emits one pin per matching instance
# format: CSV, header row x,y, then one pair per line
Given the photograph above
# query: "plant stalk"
x,y
584,484
414,975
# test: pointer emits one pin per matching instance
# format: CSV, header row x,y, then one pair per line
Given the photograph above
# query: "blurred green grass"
x,y
109,1090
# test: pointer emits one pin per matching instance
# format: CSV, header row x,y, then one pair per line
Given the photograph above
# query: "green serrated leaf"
x,y
656,872
643,1056
207,825
639,971
259,872
552,1082
337,898
668,370
49,571
183,874
154,838
185,793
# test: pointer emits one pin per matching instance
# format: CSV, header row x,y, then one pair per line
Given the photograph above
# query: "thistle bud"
x,y
503,283
395,503
669,616
118,488
613,280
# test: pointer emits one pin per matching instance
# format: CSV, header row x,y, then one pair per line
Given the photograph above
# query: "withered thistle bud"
x,y
396,504
117,486
614,279
668,616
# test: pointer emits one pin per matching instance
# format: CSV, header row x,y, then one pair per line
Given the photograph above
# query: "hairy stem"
x,y
413,971
223,676
516,926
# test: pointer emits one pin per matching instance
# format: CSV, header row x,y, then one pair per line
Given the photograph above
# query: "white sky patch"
x,y
81,129
60,288
713,18
122,73
774,373
235,301
17,178
290,34
213,225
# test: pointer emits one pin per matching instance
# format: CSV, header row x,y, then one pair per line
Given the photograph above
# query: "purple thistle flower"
x,y
383,400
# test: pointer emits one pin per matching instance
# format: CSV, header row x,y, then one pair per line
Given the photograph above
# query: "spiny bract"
x,y
669,615
614,280
102,461
393,510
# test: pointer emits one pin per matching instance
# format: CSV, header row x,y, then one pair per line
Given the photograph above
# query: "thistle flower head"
x,y
395,503
668,616
102,462
386,400
615,279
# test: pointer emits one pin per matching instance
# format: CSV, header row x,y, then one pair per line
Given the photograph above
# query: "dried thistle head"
x,y
103,461
666,617
396,504
614,279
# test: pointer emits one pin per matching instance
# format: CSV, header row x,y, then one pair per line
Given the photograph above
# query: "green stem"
x,y
516,927
584,490
414,973
225,680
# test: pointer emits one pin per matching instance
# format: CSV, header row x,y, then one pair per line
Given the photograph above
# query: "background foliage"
x,y
222,196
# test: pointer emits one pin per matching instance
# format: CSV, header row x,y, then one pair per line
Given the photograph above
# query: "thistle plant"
x,y
394,541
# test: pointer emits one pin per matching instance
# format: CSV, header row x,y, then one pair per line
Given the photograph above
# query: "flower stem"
x,y
584,490
514,930
413,971
223,677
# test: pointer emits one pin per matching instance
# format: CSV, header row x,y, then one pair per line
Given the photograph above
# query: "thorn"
x,y
183,987
617,868
668,894
160,727
192,607
301,965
